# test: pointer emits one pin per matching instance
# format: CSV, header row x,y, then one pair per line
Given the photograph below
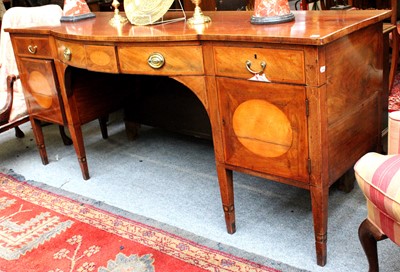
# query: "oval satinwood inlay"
x,y
100,58
262,128
40,89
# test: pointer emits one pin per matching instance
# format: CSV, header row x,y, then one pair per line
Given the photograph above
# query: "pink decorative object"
x,y
265,8
75,10
271,11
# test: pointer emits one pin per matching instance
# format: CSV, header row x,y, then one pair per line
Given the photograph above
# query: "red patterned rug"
x,y
394,96
42,231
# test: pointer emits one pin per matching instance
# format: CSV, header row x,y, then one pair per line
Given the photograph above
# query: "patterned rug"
x,y
43,231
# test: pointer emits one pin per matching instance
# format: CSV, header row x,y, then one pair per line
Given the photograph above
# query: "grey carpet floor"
x,y
171,179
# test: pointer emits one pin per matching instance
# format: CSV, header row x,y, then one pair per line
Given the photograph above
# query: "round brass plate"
x,y
262,128
146,12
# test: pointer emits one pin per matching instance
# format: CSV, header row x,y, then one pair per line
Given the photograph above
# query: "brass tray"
x,y
146,12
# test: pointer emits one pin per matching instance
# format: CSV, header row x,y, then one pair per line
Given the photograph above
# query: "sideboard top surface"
x,y
308,28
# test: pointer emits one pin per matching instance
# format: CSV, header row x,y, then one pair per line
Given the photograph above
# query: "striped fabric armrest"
x,y
379,178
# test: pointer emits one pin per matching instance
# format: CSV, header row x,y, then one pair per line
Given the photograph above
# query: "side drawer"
x,y
281,65
71,53
183,60
100,58
35,47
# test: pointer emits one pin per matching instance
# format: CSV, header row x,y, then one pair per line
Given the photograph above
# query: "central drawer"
x,y
278,65
178,60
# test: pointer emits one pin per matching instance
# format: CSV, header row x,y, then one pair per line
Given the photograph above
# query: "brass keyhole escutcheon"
x,y
156,60
67,54
32,49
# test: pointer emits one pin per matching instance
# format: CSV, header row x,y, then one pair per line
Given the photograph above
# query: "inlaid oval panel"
x,y
40,89
262,128
100,58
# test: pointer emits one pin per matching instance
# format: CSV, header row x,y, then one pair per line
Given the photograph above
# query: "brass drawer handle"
x,y
32,49
263,64
156,60
67,54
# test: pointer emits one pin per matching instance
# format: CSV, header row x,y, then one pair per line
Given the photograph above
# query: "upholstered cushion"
x,y
379,178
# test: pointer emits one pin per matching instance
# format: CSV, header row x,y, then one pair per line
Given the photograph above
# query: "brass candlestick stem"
x,y
198,16
117,19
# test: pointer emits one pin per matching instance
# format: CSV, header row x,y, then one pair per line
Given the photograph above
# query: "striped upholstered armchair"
x,y
379,179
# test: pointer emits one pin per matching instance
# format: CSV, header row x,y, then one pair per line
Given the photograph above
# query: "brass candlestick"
x,y
117,19
198,16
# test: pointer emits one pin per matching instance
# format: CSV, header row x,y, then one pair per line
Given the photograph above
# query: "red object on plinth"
x,y
75,10
271,12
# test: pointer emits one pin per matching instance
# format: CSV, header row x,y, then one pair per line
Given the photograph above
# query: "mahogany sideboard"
x,y
297,103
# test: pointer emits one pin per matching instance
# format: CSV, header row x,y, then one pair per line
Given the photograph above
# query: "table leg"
x,y
319,202
132,129
38,133
225,179
77,139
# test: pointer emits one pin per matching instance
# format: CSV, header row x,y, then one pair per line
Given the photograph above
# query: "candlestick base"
x,y
199,20
272,19
118,20
198,17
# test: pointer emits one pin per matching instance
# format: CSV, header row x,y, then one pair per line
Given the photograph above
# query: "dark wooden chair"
x,y
5,123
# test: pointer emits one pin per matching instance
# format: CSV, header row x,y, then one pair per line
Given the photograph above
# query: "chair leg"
x,y
369,235
65,138
19,133
395,57
346,182
103,126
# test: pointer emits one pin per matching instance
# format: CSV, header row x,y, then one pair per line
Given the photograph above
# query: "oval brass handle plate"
x,y
263,64
32,49
67,54
156,60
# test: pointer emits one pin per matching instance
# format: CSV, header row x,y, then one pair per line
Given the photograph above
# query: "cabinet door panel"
x,y
40,89
265,127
